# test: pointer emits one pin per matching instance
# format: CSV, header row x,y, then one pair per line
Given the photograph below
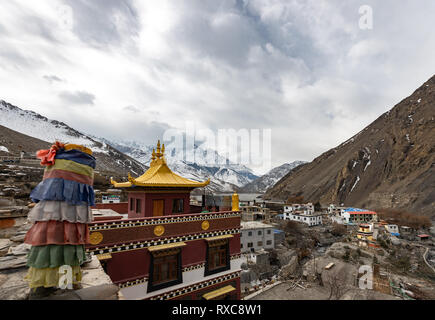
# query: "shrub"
x,y
338,229
404,218
292,227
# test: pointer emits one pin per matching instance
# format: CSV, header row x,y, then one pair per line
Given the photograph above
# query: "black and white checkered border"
x,y
196,287
158,221
145,244
132,283
187,269
194,267
236,256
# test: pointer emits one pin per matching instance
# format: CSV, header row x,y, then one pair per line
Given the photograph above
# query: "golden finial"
x,y
154,157
163,149
131,179
158,147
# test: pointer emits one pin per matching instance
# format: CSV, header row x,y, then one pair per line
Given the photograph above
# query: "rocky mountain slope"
x,y
268,180
389,164
22,130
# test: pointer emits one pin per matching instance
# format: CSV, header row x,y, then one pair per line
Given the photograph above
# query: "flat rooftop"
x,y
254,225
104,213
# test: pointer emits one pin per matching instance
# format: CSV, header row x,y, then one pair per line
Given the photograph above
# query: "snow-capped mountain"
x,y
263,183
224,175
34,125
130,156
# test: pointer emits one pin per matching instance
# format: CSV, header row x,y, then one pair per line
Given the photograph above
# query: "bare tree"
x,y
336,282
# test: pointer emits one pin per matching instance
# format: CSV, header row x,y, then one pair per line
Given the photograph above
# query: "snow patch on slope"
x,y
356,182
37,126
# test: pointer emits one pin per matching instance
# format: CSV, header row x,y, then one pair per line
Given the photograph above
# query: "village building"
x,y
302,213
405,230
393,229
355,216
111,196
255,213
309,219
255,236
423,237
260,257
212,202
299,208
163,250
367,235
335,210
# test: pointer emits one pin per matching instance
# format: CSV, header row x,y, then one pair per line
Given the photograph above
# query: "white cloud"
x,y
302,68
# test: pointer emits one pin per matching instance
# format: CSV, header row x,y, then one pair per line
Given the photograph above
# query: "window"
x,y
260,233
250,233
178,206
241,245
218,257
268,231
165,269
268,242
250,245
131,204
260,243
138,206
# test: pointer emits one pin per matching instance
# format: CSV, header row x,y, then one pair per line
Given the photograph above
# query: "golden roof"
x,y
159,175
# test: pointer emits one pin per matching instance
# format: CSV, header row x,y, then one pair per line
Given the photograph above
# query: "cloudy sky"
x,y
131,69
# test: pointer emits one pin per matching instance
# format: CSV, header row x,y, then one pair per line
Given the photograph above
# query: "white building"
x,y
335,210
111,199
352,215
310,219
299,208
255,236
302,213
393,229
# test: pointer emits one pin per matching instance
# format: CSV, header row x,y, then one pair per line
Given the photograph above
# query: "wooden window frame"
x,y
181,209
210,246
132,204
155,256
138,208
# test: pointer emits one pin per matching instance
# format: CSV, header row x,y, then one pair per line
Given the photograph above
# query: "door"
x,y
158,208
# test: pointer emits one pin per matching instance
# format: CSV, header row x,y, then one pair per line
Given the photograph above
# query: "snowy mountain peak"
x,y
225,177
37,126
